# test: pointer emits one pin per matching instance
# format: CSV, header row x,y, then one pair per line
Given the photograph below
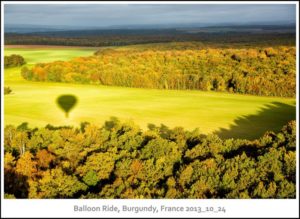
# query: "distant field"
x,y
229,115
35,54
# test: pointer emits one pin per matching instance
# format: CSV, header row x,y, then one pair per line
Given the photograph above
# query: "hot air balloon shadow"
x,y
66,103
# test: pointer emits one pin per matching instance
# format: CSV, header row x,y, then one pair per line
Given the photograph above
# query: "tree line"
x,y
119,160
268,71
132,37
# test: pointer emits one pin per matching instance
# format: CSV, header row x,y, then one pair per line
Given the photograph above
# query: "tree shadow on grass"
x,y
272,117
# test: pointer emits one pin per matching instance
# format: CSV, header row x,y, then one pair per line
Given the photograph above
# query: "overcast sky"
x,y
105,15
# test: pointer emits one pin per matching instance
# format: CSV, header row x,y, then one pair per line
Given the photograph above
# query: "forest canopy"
x,y
119,160
267,71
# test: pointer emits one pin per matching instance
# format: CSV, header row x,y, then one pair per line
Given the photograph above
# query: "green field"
x,y
229,115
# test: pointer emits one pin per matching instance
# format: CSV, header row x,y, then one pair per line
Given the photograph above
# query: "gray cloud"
x,y
118,14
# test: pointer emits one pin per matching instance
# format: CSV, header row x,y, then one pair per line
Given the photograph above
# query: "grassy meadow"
x,y
228,115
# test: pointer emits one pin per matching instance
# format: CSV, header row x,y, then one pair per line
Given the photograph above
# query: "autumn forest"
x,y
192,112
